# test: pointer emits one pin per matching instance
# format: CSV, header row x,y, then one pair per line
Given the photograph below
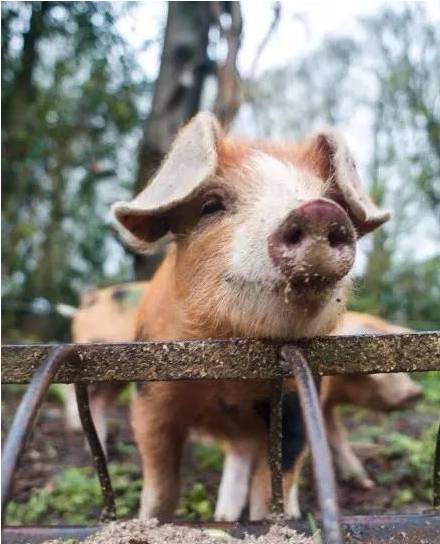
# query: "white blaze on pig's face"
x,y
271,189
264,234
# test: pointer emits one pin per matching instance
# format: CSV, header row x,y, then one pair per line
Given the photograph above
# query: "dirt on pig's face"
x,y
263,234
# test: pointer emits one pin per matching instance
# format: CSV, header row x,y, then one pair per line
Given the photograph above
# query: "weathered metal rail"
x,y
230,359
224,359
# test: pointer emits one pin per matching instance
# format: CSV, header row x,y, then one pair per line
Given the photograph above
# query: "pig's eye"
x,y
212,205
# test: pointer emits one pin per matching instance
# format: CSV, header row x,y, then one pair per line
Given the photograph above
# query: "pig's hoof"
x,y
226,516
291,505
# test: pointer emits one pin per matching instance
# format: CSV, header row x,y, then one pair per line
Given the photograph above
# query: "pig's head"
x,y
264,234
381,392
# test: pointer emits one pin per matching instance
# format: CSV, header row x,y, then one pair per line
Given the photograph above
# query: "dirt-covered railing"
x,y
306,360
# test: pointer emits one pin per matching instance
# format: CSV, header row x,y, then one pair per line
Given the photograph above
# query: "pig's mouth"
x,y
308,285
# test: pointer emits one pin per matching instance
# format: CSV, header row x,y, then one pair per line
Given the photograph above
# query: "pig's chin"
x,y
290,290
286,310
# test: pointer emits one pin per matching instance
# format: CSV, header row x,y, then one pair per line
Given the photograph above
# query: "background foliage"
x,y
74,103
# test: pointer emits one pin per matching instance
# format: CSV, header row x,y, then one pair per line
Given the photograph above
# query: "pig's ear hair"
x,y
190,162
331,158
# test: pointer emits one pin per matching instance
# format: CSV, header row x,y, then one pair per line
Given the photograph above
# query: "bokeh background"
x,y
92,94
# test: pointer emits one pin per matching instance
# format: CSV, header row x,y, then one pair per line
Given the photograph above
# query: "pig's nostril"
x,y
339,235
293,236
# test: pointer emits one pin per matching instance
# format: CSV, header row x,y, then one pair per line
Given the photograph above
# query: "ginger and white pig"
x,y
109,314
380,392
104,315
263,238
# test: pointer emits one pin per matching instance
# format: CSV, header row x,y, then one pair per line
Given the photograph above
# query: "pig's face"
x,y
381,392
264,235
393,391
107,315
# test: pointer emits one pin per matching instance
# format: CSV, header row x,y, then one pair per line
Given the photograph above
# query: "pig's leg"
x,y
234,485
71,415
260,495
290,488
348,464
260,492
160,440
102,397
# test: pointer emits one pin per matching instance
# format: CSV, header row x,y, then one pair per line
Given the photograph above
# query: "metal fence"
x,y
82,364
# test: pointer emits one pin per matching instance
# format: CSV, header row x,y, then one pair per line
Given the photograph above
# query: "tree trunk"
x,y
183,69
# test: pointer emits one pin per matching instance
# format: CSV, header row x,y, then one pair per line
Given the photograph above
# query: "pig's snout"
x,y
408,399
412,397
315,244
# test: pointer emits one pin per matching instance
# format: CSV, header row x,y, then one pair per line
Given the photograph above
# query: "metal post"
x,y
275,448
108,512
322,464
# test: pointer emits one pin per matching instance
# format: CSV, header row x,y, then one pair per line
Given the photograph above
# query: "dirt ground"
x,y
52,448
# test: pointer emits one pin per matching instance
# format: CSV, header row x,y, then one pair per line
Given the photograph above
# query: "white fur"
x,y
277,188
258,503
291,503
73,423
149,501
234,485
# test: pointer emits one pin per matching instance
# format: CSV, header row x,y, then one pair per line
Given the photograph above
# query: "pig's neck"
x,y
165,312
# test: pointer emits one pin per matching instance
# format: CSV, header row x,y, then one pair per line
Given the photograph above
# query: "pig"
x,y
262,241
104,315
380,392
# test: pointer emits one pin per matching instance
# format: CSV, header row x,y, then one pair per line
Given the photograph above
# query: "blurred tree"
x,y
71,95
403,50
184,68
311,90
391,73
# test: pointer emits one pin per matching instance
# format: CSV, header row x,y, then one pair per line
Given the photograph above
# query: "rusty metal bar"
x,y
436,479
405,528
108,512
224,359
275,449
26,414
322,463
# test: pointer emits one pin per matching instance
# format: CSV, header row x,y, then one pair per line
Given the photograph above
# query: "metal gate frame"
x,y
82,364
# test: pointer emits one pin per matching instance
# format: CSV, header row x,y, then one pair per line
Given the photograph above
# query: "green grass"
x,y
197,505
208,457
74,496
430,381
415,461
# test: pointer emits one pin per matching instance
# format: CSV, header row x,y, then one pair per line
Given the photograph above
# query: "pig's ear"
x,y
331,158
66,310
190,162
